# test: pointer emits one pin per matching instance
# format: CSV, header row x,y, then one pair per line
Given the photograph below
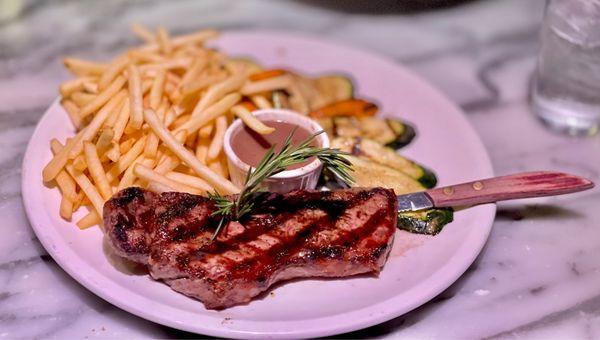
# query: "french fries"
x,y
150,175
154,116
192,181
219,90
73,112
81,98
261,102
211,113
58,162
252,122
269,84
66,186
88,188
219,183
143,33
112,71
121,122
193,72
103,97
104,141
128,158
197,38
157,89
66,208
193,86
91,219
129,176
93,127
73,85
96,170
83,67
135,96
206,131
90,87
216,145
164,41
158,187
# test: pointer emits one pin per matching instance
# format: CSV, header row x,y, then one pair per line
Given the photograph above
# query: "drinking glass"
x,y
566,85
10,9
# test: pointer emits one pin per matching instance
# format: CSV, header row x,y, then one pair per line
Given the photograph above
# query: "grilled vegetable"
x,y
280,99
368,173
331,89
429,222
266,74
386,156
292,96
306,94
322,91
391,132
346,126
403,132
350,107
248,104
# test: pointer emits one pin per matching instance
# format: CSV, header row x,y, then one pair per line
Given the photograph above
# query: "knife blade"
x,y
414,202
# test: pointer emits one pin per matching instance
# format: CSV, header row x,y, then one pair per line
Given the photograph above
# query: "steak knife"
x,y
520,185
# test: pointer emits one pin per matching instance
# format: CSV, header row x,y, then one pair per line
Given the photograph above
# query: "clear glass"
x,y
566,87
10,9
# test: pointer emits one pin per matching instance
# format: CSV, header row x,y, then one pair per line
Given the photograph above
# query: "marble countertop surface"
x,y
539,274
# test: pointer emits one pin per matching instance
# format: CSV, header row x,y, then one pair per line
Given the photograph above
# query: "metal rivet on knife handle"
x,y
477,185
448,190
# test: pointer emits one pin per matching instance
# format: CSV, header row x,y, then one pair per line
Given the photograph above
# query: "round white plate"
x,y
419,267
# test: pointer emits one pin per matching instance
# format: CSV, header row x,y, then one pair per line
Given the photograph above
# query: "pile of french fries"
x,y
153,117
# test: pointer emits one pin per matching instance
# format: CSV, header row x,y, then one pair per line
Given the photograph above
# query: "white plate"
x,y
418,269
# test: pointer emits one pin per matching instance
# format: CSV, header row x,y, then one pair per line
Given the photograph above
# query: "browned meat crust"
x,y
300,234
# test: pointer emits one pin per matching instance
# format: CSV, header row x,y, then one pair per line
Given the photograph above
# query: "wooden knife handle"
x,y
521,185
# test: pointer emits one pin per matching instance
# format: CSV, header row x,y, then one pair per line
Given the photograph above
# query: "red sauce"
x,y
251,146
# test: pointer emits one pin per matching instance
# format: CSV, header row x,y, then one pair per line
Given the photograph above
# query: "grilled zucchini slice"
x,y
429,222
332,89
376,129
404,133
346,126
386,156
390,132
318,92
370,174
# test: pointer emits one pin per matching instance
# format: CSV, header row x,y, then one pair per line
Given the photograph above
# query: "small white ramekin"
x,y
305,177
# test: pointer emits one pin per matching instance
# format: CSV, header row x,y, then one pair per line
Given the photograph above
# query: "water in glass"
x,y
566,87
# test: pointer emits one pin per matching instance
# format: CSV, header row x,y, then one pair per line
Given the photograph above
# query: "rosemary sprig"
x,y
273,163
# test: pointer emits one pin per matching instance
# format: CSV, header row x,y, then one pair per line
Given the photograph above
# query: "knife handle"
x,y
521,185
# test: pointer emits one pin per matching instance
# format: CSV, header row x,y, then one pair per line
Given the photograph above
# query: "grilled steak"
x,y
299,234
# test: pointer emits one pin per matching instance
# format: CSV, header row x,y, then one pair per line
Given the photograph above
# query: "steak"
x,y
298,234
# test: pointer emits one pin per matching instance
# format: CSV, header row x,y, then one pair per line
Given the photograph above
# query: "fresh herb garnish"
x,y
273,163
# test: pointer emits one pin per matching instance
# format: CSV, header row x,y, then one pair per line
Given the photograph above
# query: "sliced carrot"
x,y
267,74
248,105
350,107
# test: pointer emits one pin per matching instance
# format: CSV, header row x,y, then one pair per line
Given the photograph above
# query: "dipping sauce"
x,y
251,146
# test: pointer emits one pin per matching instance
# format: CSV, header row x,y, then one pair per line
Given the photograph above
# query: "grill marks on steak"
x,y
300,234
131,234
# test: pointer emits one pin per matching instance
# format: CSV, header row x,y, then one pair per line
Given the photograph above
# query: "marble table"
x,y
538,276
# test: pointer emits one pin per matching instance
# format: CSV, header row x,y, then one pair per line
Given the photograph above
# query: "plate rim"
x,y
369,320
